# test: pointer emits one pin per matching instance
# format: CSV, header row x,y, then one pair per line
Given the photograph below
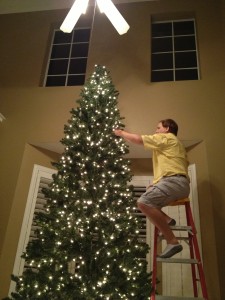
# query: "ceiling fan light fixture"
x,y
115,17
106,6
79,7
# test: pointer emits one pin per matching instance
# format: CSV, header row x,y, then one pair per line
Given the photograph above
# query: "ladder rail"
x,y
196,250
195,257
190,222
154,272
200,268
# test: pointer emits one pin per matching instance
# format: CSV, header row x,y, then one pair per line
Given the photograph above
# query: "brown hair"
x,y
171,124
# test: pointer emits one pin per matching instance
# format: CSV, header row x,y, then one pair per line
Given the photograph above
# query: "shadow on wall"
x,y
218,208
209,239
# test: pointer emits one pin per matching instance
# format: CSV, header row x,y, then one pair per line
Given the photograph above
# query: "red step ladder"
x,y
194,260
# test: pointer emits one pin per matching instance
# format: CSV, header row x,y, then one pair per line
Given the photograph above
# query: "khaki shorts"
x,y
168,189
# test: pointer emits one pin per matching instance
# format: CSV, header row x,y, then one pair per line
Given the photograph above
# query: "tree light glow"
x,y
89,234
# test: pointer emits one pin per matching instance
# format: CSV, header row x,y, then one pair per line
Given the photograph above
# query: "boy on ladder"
x,y
171,181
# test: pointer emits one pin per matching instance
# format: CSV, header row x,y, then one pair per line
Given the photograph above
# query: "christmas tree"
x,y
87,245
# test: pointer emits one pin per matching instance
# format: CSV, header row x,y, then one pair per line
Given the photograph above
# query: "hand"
x,y
130,137
118,132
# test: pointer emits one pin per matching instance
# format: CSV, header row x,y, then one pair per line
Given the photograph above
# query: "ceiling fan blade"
x,y
79,7
113,15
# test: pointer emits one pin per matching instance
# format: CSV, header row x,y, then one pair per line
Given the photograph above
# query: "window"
x,y
174,51
68,58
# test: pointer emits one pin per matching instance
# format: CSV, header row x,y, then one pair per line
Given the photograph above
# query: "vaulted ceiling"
x,y
19,6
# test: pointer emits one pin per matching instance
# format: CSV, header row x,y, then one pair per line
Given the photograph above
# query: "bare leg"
x,y
167,218
160,220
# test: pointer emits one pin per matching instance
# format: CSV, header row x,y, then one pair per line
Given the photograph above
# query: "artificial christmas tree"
x,y
87,245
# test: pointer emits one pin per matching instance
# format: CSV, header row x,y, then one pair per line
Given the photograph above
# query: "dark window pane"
x,y
76,80
162,45
62,38
162,61
58,67
185,59
184,28
162,76
56,81
179,55
67,64
81,35
78,66
161,29
60,51
189,74
184,43
80,50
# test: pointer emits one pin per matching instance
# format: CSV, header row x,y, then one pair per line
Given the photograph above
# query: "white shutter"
x,y
36,200
41,177
40,202
140,184
39,207
138,191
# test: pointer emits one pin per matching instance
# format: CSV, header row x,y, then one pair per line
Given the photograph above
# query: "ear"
x,y
167,129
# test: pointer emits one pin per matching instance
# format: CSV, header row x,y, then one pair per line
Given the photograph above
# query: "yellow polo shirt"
x,y
169,155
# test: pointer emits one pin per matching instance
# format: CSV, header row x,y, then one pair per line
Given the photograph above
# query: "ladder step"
x,y
181,228
181,238
159,297
178,260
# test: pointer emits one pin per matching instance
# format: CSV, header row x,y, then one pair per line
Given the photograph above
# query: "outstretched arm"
x,y
130,137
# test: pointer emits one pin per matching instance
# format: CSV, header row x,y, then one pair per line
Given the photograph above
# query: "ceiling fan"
x,y
105,6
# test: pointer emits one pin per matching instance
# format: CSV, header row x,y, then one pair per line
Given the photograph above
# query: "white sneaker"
x,y
171,250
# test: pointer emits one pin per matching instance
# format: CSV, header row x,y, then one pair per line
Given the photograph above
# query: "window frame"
x,y
65,76
173,52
